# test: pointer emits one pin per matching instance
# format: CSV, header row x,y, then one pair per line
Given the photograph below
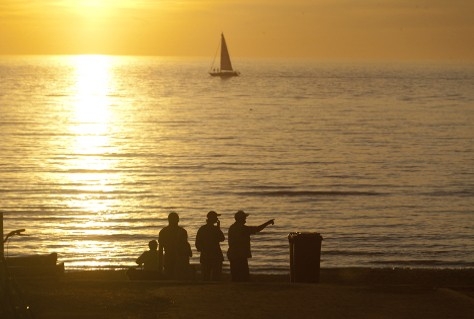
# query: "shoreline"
x,y
343,275
341,293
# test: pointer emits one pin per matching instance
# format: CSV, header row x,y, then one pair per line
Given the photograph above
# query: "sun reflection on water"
x,y
93,84
90,165
91,170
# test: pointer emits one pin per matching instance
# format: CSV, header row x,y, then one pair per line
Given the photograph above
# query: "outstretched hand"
x,y
271,222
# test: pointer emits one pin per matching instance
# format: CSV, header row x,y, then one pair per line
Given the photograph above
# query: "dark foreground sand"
x,y
342,293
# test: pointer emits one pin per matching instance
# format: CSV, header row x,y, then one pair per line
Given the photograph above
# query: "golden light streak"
x,y
88,166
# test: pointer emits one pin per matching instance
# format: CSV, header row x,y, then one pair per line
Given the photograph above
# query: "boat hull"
x,y
225,74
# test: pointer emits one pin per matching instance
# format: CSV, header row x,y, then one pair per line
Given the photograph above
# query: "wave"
x,y
460,193
305,193
354,253
423,263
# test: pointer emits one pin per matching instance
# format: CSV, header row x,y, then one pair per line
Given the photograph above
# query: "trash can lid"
x,y
304,235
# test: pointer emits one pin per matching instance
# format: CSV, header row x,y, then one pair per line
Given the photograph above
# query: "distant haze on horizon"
x,y
319,29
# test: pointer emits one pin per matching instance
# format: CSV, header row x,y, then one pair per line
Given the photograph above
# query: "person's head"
x,y
212,217
173,218
241,216
153,244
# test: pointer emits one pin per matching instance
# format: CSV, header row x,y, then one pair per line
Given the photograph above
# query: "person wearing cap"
x,y
239,245
174,249
208,239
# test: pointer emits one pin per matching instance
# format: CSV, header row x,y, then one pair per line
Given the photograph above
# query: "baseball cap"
x,y
240,215
212,214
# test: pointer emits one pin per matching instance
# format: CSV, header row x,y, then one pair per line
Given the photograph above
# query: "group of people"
x,y
170,254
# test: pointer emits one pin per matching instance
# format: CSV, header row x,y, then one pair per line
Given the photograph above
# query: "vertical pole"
x,y
1,232
2,254
3,276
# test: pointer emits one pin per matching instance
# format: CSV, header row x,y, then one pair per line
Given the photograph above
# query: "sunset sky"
x,y
320,29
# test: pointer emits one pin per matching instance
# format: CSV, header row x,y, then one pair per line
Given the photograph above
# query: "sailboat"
x,y
225,69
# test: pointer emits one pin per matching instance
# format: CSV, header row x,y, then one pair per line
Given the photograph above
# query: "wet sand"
x,y
341,293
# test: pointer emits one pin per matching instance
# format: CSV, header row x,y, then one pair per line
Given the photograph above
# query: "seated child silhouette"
x,y
149,260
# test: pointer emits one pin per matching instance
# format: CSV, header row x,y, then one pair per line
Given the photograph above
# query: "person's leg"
x,y
206,271
182,268
216,270
234,269
239,269
245,270
168,266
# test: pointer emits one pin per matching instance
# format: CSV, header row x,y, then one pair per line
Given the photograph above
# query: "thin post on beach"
x,y
2,250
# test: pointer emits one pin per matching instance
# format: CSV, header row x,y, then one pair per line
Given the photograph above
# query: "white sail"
x,y
226,65
225,69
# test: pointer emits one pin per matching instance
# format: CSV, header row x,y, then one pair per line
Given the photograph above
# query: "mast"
x,y
226,65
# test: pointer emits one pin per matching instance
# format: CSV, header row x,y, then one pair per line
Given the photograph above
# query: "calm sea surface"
x,y
95,151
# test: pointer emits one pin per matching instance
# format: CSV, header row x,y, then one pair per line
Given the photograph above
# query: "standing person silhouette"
x,y
208,239
239,245
174,249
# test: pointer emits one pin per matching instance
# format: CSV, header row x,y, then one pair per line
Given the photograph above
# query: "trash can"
x,y
305,256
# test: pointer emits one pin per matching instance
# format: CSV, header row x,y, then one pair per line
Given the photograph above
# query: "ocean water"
x,y
95,151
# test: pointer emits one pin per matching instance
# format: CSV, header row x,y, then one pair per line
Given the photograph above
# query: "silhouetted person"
x,y
208,240
239,245
173,240
150,258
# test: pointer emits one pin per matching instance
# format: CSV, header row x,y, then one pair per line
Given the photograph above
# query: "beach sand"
x,y
341,293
